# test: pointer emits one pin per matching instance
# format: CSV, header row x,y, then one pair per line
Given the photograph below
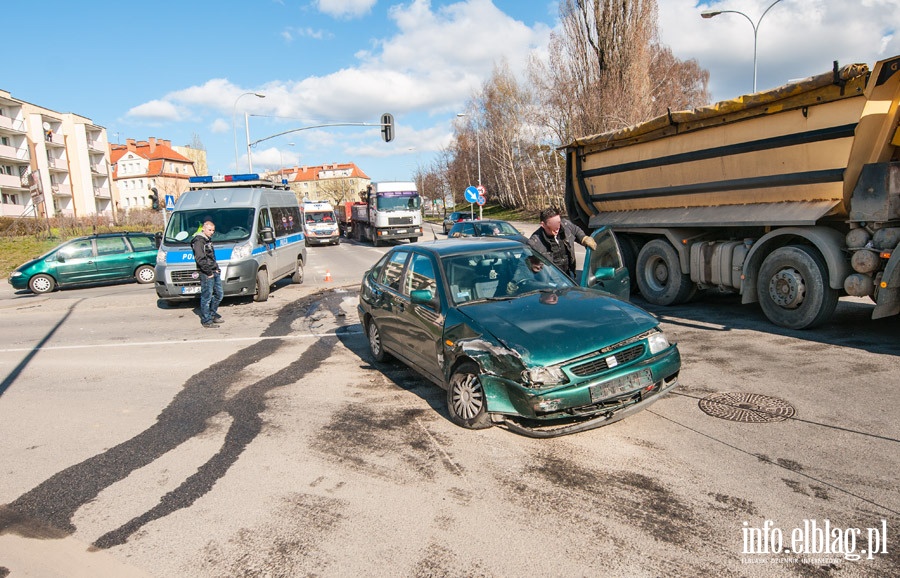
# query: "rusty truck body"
x,y
790,197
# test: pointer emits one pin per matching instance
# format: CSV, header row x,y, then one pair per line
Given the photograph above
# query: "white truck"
x,y
389,210
320,223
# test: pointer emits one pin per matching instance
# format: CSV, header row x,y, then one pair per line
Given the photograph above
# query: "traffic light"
x,y
387,127
154,199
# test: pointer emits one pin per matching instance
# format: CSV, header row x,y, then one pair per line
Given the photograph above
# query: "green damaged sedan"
x,y
514,341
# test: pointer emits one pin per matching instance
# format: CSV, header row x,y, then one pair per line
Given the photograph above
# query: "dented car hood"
x,y
548,328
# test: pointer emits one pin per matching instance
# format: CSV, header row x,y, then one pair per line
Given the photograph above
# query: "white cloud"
x,y
156,111
219,126
345,8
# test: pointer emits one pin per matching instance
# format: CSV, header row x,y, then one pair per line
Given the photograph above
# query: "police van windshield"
x,y
398,202
231,225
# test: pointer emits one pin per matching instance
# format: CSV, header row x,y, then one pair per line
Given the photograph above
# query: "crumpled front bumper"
x,y
599,418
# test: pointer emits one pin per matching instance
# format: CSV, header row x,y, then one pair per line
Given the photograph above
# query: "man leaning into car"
x,y
210,279
555,239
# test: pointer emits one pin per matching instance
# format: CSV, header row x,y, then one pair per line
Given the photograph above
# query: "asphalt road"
x,y
137,443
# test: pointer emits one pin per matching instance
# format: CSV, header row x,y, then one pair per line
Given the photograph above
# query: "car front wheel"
x,y
42,284
466,401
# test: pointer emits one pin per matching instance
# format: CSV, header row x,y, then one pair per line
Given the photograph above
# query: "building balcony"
x,y
57,165
101,192
96,145
54,140
10,153
11,182
11,125
61,190
98,168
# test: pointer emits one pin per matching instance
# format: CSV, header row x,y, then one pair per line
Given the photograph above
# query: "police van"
x,y
259,237
320,223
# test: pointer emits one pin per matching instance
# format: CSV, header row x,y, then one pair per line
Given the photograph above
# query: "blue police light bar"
x,y
224,178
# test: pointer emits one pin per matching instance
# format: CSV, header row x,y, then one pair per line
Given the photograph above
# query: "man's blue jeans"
x,y
210,297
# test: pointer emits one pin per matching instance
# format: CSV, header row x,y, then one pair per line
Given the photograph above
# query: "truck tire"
x,y
659,275
793,288
262,286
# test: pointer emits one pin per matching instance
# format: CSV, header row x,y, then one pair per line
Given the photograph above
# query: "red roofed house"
x,y
334,182
138,166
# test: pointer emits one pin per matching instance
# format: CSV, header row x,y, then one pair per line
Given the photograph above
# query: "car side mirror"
x,y
602,274
267,235
60,258
422,297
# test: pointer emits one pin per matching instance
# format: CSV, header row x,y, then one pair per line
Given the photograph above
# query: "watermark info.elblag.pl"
x,y
811,542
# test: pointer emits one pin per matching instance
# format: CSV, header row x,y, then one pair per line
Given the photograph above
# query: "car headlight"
x,y
160,257
657,342
15,274
241,251
545,376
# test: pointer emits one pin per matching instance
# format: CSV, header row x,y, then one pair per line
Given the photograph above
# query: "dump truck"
x,y
789,197
387,210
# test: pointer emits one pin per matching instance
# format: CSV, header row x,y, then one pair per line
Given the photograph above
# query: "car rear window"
x,y
142,243
111,245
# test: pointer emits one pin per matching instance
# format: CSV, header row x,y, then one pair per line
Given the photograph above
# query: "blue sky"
x,y
175,69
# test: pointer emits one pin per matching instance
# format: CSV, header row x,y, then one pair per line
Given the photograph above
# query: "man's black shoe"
x,y
210,325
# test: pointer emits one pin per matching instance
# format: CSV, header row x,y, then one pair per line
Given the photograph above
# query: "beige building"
x,y
139,166
51,163
334,182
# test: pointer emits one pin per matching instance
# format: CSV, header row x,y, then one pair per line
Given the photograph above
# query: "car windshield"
x,y
320,217
398,201
500,274
496,229
231,225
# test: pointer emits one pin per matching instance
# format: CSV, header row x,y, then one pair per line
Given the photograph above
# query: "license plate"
x,y
190,290
400,231
623,384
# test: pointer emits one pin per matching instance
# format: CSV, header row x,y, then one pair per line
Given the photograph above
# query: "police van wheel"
x,y
297,277
262,286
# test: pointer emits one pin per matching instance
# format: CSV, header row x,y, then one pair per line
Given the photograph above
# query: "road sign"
x,y
170,202
481,199
471,194
480,190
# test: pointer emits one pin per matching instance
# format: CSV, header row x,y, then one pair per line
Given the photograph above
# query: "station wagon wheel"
x,y
375,345
145,274
262,286
466,400
42,284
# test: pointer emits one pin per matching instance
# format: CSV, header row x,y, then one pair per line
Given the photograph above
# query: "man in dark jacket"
x,y
210,280
556,239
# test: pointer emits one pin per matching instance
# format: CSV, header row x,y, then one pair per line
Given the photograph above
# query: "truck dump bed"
x,y
787,156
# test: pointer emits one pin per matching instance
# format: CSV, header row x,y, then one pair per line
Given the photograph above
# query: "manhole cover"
x,y
746,407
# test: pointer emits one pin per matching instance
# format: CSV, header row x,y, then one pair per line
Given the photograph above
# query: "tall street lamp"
x,y
233,129
478,152
711,13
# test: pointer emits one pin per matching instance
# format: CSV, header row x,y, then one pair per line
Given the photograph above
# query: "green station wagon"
x,y
94,259
512,339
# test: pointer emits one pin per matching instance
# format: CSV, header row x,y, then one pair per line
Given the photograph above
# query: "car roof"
x,y
449,247
107,235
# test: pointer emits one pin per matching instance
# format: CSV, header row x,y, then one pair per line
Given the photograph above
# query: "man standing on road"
x,y
210,280
556,238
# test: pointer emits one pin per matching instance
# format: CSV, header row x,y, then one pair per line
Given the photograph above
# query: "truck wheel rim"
x,y
787,289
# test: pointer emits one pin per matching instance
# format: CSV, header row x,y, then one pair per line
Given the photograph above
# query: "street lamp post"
x,y
712,13
478,154
234,129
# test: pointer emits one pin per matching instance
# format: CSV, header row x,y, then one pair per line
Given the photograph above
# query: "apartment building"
x,y
51,163
139,166
335,182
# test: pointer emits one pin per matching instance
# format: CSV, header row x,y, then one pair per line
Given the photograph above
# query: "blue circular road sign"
x,y
471,194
